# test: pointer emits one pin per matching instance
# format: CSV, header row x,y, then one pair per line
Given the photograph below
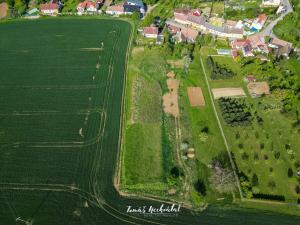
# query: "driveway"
x,y
267,31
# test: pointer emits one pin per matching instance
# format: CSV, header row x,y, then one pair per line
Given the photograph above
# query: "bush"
x,y
254,180
269,197
290,173
200,187
297,189
277,155
176,172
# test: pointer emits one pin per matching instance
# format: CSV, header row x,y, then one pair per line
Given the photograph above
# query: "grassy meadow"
x,y
144,148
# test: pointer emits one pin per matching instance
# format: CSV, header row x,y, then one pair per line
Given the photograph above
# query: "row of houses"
x,y
194,20
256,44
127,7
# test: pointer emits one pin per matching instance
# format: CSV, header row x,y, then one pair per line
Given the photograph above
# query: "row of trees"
x,y
218,71
235,111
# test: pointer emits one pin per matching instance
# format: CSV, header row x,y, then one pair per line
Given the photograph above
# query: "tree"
x,y
200,187
297,189
254,180
290,173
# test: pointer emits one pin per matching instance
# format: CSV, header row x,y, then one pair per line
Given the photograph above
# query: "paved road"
x,y
267,31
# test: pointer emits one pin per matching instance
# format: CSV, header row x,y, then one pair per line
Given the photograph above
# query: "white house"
x,y
270,3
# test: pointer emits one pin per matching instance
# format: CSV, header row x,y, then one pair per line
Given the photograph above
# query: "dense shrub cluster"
x,y
235,111
218,71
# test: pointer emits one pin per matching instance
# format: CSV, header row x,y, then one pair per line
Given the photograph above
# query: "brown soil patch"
x,y
195,96
3,10
170,99
228,92
171,74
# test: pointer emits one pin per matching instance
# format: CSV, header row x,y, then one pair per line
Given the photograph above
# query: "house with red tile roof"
x,y
150,32
50,9
258,43
244,45
115,10
181,15
89,6
259,22
189,35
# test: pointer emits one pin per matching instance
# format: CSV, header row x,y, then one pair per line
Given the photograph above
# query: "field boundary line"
x,y
120,154
221,128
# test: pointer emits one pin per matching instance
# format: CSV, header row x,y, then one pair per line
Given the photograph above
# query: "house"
x,y
129,9
188,35
247,50
89,6
195,20
259,22
173,29
258,43
150,32
50,9
239,43
244,45
270,3
280,47
131,6
231,24
250,78
181,16
257,89
115,10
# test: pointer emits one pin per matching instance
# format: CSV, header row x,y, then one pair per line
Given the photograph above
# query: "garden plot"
x,y
228,92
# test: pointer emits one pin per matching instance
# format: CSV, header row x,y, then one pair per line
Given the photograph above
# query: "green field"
x,y
61,87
